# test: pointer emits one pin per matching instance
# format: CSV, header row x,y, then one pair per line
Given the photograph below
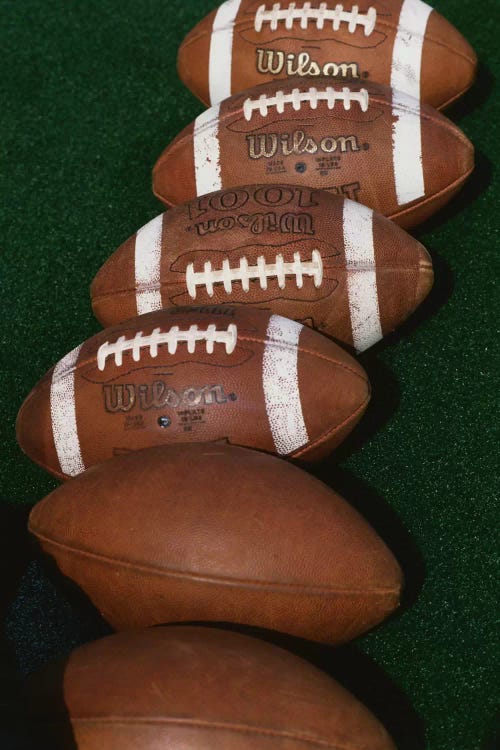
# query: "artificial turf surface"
x,y
89,98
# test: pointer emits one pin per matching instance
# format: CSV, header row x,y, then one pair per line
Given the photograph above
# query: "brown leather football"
x,y
305,254
194,374
361,140
214,533
196,689
403,43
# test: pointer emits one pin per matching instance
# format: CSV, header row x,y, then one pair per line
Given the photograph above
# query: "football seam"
x,y
298,454
454,98
426,266
164,285
187,135
274,586
456,183
50,469
225,726
301,350
326,435
303,451
47,381
191,39
429,116
282,345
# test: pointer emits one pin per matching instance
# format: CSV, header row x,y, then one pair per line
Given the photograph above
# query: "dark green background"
x,y
89,98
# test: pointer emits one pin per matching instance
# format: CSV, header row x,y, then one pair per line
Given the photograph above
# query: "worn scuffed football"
x,y
363,141
304,254
232,535
237,374
195,689
402,43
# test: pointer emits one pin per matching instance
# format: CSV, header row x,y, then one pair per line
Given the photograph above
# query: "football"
x,y
232,535
402,43
359,140
189,688
305,254
241,375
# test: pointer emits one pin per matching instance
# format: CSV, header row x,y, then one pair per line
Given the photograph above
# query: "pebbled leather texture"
x,y
198,689
298,397
448,64
263,222
349,152
217,533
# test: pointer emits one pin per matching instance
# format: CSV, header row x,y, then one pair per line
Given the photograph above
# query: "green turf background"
x,y
89,98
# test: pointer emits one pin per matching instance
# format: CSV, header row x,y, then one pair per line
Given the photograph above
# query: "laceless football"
x,y
304,254
240,375
360,140
402,43
219,534
195,689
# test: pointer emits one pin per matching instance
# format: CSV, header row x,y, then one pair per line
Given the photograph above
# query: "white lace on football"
x,y
171,338
263,271
320,16
312,96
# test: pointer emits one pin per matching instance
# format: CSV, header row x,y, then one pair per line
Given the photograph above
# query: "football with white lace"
x,y
233,374
402,43
305,254
360,140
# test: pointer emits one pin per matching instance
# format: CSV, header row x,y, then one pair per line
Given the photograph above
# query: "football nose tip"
x,y
425,280
464,69
471,155
361,396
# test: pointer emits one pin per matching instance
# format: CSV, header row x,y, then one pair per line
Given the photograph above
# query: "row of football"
x,y
238,364
239,290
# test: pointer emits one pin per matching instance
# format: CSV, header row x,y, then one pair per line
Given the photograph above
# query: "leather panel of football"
x,y
174,180
443,178
332,411
255,222
113,290
209,544
192,686
365,169
195,49
33,427
448,65
193,397
405,274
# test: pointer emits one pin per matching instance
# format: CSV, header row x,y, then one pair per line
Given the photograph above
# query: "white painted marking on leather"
x,y
405,81
207,152
408,164
221,52
361,275
63,415
408,47
147,266
280,379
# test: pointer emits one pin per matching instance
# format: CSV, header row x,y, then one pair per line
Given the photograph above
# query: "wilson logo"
x,y
288,223
124,398
275,62
269,145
